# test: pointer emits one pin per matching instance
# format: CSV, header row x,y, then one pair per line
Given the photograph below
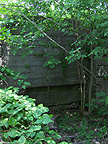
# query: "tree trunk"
x,y
91,82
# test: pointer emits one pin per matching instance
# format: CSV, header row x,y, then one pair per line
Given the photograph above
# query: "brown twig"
x,y
5,131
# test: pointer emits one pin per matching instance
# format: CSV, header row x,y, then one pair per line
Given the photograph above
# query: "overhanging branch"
x,y
45,34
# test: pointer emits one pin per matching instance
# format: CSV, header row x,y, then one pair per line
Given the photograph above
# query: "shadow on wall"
x,y
55,95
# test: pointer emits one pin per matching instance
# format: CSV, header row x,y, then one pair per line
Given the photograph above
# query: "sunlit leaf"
x,y
22,140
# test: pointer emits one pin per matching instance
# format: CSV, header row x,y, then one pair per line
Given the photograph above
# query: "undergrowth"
x,y
23,122
87,129
83,129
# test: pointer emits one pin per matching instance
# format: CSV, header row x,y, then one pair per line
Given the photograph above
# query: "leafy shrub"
x,y
100,104
22,122
18,79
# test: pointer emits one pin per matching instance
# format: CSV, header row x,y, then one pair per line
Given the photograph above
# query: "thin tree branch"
x,y
45,34
63,48
86,69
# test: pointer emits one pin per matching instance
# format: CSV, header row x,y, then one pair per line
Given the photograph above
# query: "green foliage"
x,y
86,20
4,34
83,21
7,73
22,122
83,130
52,61
92,130
100,104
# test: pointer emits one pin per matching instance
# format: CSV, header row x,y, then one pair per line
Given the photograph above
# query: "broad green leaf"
x,y
38,121
37,113
33,134
40,134
8,105
19,116
34,128
23,77
1,104
20,82
12,133
46,119
3,110
16,111
3,122
11,121
27,83
15,77
49,140
106,34
24,86
22,140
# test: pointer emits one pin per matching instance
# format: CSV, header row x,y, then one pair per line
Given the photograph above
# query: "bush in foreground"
x,y
22,122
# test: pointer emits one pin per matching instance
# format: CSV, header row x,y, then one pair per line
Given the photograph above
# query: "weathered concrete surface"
x,y
102,74
49,86
56,95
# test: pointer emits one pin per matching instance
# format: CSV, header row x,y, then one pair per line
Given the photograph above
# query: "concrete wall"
x,y
49,86
102,74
